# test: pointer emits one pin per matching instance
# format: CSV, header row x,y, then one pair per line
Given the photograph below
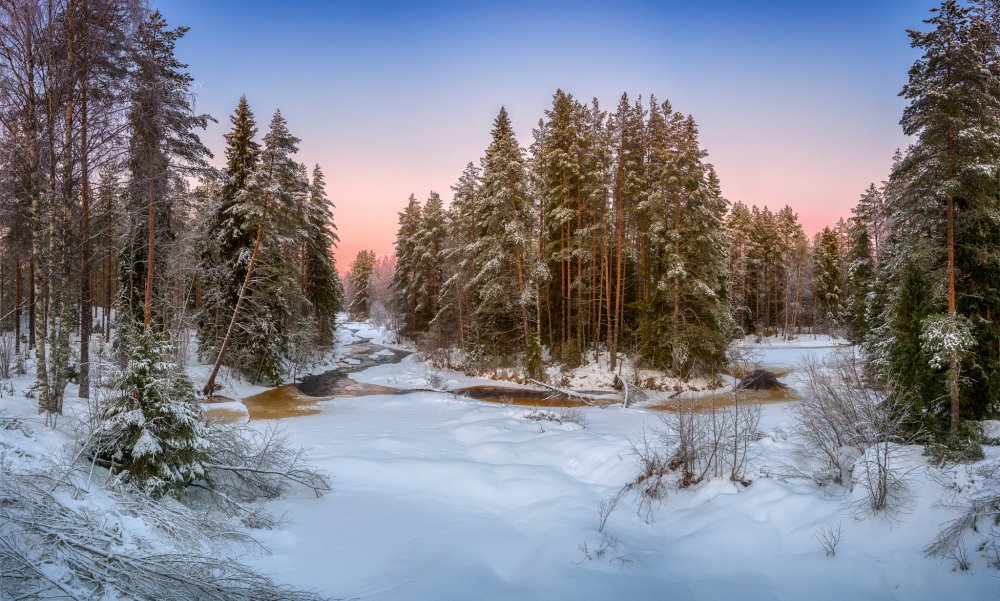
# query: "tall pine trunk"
x,y
86,315
952,308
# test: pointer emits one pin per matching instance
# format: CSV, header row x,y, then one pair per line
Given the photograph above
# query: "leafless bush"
x,y
605,508
696,443
711,442
54,544
883,481
571,416
650,485
246,465
435,381
960,558
836,408
843,416
829,538
604,549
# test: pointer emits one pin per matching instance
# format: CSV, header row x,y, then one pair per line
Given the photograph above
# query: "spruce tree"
x,y
860,272
429,260
229,236
405,277
150,426
360,277
261,323
322,286
452,321
826,269
502,304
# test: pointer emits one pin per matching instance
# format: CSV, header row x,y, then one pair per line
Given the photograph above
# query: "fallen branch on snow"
x,y
572,394
630,392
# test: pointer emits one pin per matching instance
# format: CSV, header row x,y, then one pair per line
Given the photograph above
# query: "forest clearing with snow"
x,y
602,367
439,496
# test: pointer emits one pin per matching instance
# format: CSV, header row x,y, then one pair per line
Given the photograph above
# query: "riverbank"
x,y
437,496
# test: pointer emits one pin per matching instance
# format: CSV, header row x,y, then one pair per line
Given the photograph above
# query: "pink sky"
x,y
796,101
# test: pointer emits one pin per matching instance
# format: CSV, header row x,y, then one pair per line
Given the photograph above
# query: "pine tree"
x,y
360,277
162,123
322,286
954,112
860,272
828,280
502,303
870,211
739,223
405,280
559,173
792,240
626,127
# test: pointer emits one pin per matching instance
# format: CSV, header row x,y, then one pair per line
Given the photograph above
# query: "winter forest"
x,y
584,372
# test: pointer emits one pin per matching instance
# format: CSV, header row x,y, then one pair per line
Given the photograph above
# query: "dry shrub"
x,y
851,423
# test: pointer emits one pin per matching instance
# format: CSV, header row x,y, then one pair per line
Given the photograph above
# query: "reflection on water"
x,y
288,401
284,401
530,398
223,414
727,399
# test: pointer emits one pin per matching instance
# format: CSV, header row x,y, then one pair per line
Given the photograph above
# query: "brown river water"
x,y
300,399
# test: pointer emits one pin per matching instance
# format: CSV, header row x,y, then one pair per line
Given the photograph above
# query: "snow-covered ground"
x,y
440,497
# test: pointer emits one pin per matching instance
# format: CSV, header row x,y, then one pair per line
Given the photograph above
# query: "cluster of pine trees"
x,y
781,282
609,234
115,228
930,247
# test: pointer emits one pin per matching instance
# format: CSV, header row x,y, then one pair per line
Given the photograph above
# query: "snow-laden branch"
x,y
63,542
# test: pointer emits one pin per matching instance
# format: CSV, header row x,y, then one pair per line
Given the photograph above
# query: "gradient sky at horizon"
x,y
796,101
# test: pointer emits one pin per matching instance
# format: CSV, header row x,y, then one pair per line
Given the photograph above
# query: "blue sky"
x,y
796,101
